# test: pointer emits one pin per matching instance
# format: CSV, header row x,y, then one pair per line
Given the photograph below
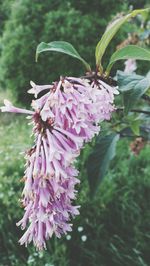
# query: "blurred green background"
x,y
113,228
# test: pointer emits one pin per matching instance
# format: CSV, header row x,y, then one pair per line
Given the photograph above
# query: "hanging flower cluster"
x,y
64,118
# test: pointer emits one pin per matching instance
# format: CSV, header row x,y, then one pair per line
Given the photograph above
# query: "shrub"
x,y
5,7
30,23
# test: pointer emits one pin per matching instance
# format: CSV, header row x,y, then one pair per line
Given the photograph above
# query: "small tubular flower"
x,y
8,107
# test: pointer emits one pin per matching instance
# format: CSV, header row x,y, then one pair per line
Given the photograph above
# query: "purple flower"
x,y
64,118
12,109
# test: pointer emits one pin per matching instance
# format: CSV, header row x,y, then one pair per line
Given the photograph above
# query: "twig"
x,y
135,110
129,136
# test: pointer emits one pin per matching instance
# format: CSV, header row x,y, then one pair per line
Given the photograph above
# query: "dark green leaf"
x,y
127,81
129,51
98,161
61,47
133,87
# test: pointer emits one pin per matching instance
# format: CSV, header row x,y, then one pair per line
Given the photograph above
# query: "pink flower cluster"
x,y
64,118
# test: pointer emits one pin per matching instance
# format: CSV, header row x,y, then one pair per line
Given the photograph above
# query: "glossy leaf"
x,y
133,87
61,47
127,81
110,32
98,161
129,51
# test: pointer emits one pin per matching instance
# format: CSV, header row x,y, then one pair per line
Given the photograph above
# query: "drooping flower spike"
x,y
64,118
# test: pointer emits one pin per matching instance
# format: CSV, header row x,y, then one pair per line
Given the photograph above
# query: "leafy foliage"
x,y
30,23
130,51
115,221
110,32
60,47
99,159
133,87
5,8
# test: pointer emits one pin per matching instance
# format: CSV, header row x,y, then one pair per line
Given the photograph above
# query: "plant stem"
x,y
135,110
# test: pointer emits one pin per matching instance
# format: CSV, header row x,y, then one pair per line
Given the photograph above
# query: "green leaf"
x,y
111,30
98,161
133,87
129,51
61,47
135,127
127,81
